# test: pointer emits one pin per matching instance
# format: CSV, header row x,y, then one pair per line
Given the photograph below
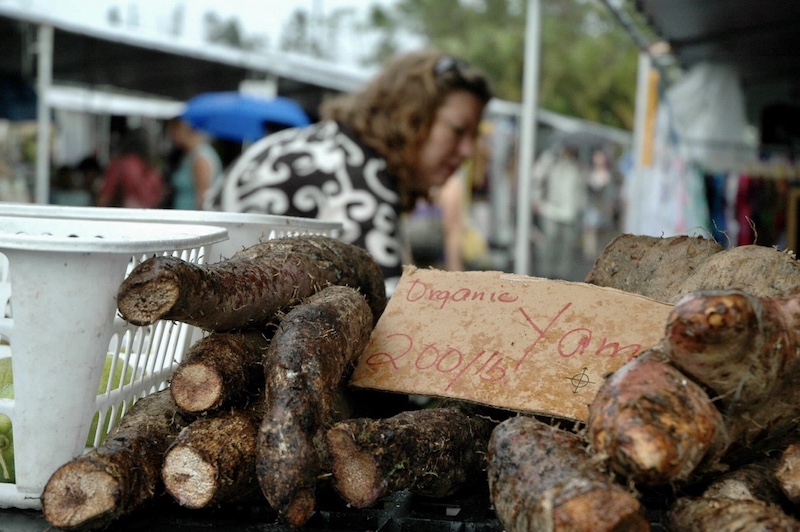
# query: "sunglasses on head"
x,y
448,63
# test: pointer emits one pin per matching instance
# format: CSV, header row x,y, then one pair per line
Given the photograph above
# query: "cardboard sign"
x,y
510,341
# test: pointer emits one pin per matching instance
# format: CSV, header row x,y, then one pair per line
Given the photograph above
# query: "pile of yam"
x,y
699,432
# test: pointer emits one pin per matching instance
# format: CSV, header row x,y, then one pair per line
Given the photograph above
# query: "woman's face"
x,y
451,141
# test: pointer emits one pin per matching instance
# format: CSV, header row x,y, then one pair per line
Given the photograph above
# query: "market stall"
x,y
627,424
717,137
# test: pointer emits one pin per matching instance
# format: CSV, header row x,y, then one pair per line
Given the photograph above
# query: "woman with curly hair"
x,y
374,153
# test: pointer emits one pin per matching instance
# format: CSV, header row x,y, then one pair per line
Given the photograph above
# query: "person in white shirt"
x,y
558,202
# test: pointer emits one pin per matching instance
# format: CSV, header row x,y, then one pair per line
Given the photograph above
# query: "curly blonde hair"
x,y
394,112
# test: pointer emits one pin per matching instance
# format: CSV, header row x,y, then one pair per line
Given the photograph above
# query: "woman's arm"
x,y
201,169
451,203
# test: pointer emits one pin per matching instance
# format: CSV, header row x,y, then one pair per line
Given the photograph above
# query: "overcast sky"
x,y
258,17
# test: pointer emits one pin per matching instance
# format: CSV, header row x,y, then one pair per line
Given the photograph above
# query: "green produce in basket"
x,y
6,438
115,383
6,449
7,392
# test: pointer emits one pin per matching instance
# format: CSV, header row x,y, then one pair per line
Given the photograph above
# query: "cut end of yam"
x,y
188,477
196,388
144,304
78,493
354,471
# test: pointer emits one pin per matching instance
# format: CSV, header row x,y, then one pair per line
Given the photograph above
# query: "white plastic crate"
x,y
63,276
244,229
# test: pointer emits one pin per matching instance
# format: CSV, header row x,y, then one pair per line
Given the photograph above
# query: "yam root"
x,y
758,270
654,424
541,478
119,476
787,473
431,452
755,481
720,514
221,369
742,351
212,461
248,289
651,266
666,269
311,354
745,349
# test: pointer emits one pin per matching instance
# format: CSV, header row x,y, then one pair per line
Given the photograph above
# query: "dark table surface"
x,y
400,512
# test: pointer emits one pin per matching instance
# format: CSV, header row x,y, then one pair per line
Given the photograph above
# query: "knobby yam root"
x,y
654,424
746,350
308,361
221,369
724,390
432,452
746,498
247,290
119,476
542,478
787,472
755,481
729,515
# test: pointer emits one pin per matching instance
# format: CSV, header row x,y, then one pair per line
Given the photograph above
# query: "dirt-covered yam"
x,y
247,290
758,270
221,369
703,514
311,355
542,478
121,475
787,473
651,266
212,461
431,452
755,481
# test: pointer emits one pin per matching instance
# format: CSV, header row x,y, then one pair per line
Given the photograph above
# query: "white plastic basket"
x,y
244,229
63,276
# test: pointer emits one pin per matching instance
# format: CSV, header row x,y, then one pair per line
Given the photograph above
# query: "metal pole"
x,y
44,79
527,146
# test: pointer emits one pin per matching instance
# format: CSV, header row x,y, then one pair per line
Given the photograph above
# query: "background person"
x,y
132,178
373,154
558,201
601,205
441,235
199,167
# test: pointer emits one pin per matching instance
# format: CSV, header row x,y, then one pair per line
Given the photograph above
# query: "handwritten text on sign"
x,y
505,340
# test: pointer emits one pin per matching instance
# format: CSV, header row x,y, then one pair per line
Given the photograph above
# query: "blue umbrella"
x,y
241,117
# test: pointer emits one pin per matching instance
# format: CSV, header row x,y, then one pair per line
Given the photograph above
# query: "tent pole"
x,y
527,132
44,79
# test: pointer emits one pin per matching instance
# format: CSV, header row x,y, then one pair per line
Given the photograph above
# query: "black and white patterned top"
x,y
320,171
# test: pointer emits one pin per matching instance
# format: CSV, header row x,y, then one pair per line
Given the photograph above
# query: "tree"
x,y
177,19
315,34
588,62
229,32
